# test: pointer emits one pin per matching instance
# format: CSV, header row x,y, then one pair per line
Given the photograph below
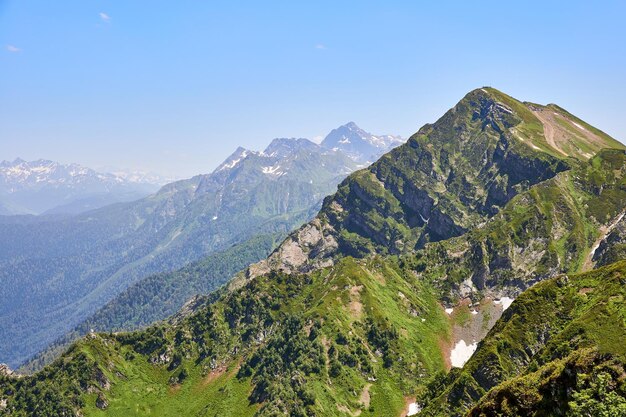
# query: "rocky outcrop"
x,y
310,247
5,370
612,246
101,402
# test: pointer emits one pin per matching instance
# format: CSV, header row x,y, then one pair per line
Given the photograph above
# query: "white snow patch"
x,y
273,170
594,249
474,312
449,310
230,164
414,408
504,108
461,353
505,302
578,126
609,230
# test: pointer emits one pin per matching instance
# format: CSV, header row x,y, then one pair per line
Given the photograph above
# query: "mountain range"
x,y
70,266
49,187
474,270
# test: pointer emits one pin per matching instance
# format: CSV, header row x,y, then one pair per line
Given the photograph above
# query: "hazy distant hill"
x,y
44,186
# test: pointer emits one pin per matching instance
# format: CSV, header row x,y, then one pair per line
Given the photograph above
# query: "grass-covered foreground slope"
x,y
355,338
558,350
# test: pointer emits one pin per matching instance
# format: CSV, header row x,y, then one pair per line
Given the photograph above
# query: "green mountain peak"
x,y
407,268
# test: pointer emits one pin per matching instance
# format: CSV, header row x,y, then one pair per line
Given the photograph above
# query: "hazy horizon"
x,y
175,89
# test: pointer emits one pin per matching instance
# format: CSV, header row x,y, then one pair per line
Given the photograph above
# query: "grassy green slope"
x,y
547,230
449,177
355,337
528,364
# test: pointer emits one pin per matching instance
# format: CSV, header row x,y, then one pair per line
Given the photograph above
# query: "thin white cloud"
x,y
105,17
320,46
13,49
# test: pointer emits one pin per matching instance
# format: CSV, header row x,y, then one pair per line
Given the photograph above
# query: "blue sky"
x,y
174,87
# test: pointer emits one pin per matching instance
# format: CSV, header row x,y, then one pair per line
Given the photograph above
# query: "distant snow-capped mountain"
x,y
24,174
349,143
360,145
44,186
35,187
141,177
282,155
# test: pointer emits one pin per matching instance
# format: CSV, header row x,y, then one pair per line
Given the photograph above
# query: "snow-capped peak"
x,y
234,159
360,145
37,186
21,174
282,147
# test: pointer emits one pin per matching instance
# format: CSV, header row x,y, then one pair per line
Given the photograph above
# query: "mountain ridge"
x,y
420,202
111,248
361,310
44,186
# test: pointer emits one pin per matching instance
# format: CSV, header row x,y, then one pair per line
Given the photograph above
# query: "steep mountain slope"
x,y
552,228
69,267
315,331
559,340
448,178
42,186
343,325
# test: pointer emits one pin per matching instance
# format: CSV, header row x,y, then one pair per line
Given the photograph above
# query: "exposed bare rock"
x,y
189,308
102,380
310,247
5,370
101,402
